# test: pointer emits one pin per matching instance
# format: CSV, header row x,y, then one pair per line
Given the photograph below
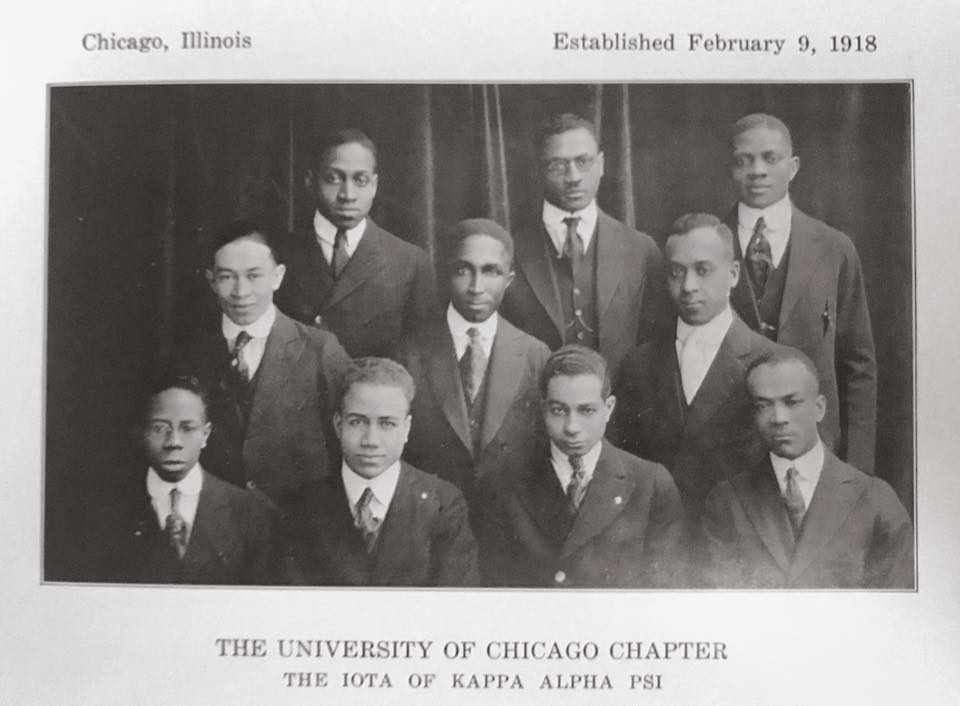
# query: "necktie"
x,y
759,258
473,365
340,256
365,521
175,526
796,508
238,362
577,487
573,246
692,354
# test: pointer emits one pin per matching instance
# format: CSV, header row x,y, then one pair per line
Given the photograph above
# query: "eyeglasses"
x,y
162,430
558,167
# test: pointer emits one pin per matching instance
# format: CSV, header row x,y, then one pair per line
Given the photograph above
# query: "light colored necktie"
x,y
239,363
473,365
338,260
573,245
175,526
577,487
365,520
793,499
692,354
759,257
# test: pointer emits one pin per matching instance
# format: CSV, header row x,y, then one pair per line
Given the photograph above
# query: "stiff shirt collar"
x,y
258,329
809,466
383,488
458,327
561,463
711,333
189,485
553,222
327,233
776,217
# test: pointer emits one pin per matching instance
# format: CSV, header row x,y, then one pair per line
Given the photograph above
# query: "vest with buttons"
x,y
578,294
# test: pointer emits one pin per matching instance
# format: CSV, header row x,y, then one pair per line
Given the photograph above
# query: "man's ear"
x,y
610,403
211,281
278,272
336,423
794,166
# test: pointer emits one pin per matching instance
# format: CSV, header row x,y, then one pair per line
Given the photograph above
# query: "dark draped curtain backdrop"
x,y
141,176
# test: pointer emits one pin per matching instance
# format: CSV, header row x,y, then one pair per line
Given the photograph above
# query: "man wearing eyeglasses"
x,y
345,274
582,277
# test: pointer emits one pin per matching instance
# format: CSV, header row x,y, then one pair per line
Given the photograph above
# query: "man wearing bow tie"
x,y
802,285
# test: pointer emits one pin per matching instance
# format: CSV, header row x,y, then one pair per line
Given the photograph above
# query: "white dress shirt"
x,y
189,487
553,222
776,218
563,469
252,353
808,465
383,488
327,235
697,346
459,326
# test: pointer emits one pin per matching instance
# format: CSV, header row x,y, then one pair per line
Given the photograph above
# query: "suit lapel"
x,y
805,251
610,261
397,530
759,494
503,378
544,499
600,506
741,297
364,265
724,374
206,537
319,280
444,376
533,257
283,350
833,499
668,386
336,532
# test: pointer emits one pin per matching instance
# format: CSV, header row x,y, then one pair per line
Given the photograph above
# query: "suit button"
x,y
580,336
560,577
318,320
576,291
578,312
251,485
618,500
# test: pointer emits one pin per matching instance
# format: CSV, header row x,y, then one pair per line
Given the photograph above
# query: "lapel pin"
x,y
618,500
424,496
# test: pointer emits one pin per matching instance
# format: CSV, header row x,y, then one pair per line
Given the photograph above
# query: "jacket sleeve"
x,y
890,563
455,549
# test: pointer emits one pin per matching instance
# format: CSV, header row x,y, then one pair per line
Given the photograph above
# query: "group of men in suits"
x,y
378,439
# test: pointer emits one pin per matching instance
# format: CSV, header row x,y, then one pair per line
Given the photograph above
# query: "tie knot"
x,y
473,333
576,462
366,497
571,222
792,474
243,338
340,236
174,498
760,226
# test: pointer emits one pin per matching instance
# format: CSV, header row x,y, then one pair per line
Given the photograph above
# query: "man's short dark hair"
x,y
572,360
780,355
343,136
177,380
771,122
559,124
377,371
238,230
691,221
478,226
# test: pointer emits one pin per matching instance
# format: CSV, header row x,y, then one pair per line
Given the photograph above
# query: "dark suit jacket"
x,y
625,533
386,290
705,442
856,533
425,539
824,314
631,293
440,437
288,439
232,540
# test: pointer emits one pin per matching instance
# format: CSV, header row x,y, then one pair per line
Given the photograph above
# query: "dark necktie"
x,y
340,256
175,526
365,520
573,246
759,257
793,499
577,487
238,362
473,365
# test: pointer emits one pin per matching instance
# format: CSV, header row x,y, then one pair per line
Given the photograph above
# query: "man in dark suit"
x,y
184,525
802,518
582,277
380,521
682,399
584,513
803,286
273,381
477,406
346,274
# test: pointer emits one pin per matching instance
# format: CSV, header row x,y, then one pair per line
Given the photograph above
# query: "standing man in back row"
x,y
346,274
802,284
582,277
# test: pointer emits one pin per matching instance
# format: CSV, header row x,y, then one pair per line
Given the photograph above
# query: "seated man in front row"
x,y
584,514
802,518
380,521
186,525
